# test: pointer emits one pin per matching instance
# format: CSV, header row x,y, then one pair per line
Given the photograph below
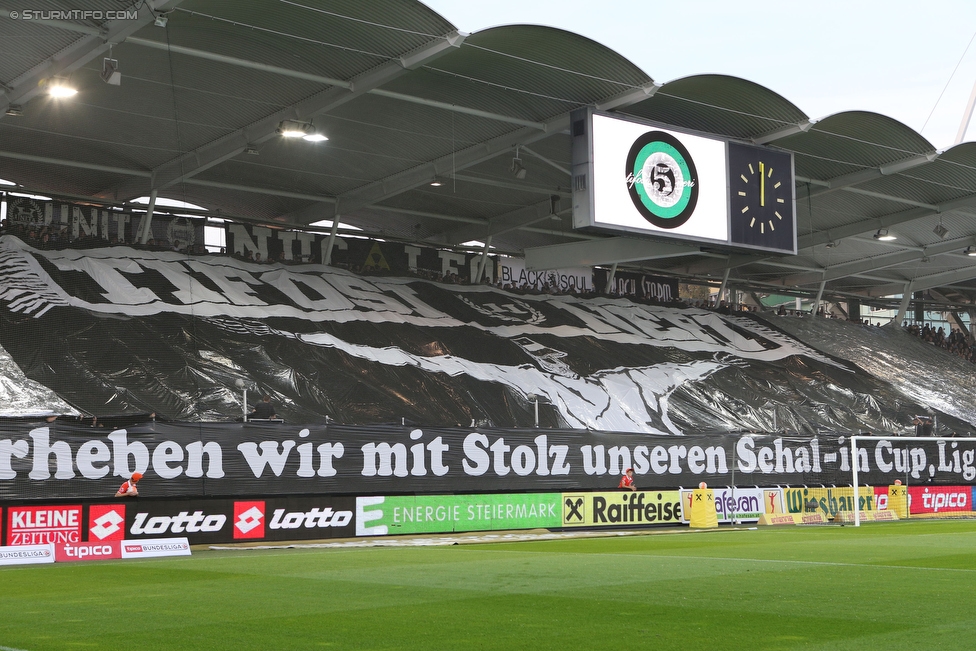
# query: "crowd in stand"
x,y
51,237
956,342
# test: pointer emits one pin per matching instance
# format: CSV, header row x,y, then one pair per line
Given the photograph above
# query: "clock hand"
x,y
762,184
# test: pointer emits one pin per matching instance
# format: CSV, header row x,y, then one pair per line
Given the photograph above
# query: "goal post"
x,y
944,468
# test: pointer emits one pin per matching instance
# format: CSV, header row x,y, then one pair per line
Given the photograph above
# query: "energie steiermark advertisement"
x,y
380,516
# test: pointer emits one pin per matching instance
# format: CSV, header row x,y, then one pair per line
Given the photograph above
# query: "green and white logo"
x,y
662,179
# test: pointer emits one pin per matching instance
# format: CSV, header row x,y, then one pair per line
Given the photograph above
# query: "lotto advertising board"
x,y
222,521
381,516
621,508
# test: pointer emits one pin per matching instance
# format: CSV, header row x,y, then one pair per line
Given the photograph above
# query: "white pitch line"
x,y
10,648
725,559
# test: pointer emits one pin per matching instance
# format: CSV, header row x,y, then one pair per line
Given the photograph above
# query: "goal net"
x,y
910,477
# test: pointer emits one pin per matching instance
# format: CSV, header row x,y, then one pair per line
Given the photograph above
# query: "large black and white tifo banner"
x,y
522,345
218,460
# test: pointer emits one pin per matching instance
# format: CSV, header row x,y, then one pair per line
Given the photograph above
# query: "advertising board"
x,y
621,508
155,548
381,516
87,551
27,554
939,499
731,504
828,501
36,525
226,520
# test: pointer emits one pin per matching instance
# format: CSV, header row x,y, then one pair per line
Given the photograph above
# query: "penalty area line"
x,y
10,648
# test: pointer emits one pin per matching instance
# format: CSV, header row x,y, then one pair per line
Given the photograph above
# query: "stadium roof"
x,y
406,100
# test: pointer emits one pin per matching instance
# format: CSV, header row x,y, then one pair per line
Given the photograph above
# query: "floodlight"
x,y
293,128
110,72
884,236
518,169
59,89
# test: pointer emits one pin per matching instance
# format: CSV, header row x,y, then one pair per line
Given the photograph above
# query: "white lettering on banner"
x,y
37,525
183,521
94,551
477,460
512,270
317,517
365,515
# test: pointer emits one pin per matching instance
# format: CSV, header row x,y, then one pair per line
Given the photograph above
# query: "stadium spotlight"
x,y
970,251
884,236
15,110
940,230
110,72
161,21
59,88
298,129
518,169
314,136
293,128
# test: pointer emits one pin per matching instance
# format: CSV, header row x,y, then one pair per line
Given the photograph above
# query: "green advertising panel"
x,y
381,516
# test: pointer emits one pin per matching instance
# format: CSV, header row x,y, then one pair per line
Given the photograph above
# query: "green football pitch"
x,y
884,586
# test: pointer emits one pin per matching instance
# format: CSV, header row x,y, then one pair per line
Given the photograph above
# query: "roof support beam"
x,y
234,143
923,283
416,176
876,263
331,81
148,175
884,221
789,130
27,86
862,176
510,185
506,223
426,172
605,251
77,164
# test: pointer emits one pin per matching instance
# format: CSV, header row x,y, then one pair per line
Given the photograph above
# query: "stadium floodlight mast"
x,y
854,460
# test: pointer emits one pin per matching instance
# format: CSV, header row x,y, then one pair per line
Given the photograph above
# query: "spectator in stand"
x,y
923,426
264,409
627,481
128,489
